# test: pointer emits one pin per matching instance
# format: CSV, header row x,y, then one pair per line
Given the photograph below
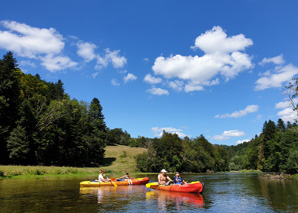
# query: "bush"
x,y
142,162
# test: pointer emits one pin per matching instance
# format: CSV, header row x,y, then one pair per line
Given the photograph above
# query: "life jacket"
x,y
178,180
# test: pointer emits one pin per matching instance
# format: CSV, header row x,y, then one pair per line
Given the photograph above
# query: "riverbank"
x,y
118,160
54,171
281,176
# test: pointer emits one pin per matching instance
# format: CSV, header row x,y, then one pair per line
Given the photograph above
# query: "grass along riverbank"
x,y
118,159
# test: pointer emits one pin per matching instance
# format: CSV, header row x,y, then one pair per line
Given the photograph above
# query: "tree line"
x,y
41,125
185,155
274,150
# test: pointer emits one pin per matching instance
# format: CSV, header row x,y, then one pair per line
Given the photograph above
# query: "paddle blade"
x,y
150,184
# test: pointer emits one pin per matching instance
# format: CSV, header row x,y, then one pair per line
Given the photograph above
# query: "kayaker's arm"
x,y
169,179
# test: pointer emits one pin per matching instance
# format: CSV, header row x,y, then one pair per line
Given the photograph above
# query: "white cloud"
x,y
129,77
112,57
86,50
114,82
228,134
152,80
43,44
274,80
47,45
242,141
284,104
276,60
193,87
211,83
27,41
216,40
222,56
27,63
55,63
287,113
159,130
176,85
146,59
158,91
94,75
240,113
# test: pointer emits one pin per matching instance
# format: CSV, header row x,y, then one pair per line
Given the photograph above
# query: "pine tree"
x,y
95,115
9,101
281,125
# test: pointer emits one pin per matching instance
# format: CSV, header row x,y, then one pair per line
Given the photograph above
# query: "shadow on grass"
x,y
108,161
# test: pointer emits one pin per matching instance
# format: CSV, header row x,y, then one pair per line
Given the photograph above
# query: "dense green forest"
x,y
175,154
41,125
274,150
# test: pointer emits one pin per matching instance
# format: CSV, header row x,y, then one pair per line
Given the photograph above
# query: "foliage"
x,y
41,125
174,154
275,150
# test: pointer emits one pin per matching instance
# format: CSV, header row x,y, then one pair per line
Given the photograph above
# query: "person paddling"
x,y
162,178
178,179
125,177
101,177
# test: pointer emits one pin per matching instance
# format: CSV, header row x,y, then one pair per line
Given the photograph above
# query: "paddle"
x,y
115,185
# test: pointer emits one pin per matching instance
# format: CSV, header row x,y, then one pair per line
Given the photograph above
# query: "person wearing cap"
x,y
178,179
162,178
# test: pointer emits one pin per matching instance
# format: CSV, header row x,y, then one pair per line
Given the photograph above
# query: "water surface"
x,y
223,193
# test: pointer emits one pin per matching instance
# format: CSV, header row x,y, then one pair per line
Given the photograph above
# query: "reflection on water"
x,y
165,198
106,194
223,193
115,197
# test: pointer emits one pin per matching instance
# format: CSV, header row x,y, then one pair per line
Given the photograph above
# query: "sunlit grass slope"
x,y
118,159
121,158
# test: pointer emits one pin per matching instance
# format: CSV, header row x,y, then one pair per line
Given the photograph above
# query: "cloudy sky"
x,y
217,68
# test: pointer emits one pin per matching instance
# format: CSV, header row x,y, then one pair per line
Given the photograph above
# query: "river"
x,y
229,192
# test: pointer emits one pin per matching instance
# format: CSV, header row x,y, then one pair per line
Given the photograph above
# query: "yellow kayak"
x,y
137,181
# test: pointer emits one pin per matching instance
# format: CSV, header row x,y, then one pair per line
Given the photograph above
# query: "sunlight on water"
x,y
223,193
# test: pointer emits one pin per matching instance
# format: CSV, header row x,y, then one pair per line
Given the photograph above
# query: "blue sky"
x,y
216,68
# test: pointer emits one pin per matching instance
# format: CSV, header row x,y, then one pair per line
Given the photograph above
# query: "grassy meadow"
x,y
118,159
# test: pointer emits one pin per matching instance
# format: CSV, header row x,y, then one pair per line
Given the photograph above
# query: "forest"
x,y
41,125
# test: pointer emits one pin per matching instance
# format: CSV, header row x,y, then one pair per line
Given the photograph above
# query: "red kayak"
x,y
189,187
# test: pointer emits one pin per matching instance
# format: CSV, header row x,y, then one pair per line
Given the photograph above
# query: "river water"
x,y
230,192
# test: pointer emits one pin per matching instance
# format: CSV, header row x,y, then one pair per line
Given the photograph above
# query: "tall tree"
x,y
9,101
281,125
269,130
96,116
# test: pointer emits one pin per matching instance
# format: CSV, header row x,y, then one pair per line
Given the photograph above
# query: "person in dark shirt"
x,y
178,179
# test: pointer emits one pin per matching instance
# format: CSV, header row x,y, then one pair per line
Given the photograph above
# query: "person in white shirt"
x,y
101,177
